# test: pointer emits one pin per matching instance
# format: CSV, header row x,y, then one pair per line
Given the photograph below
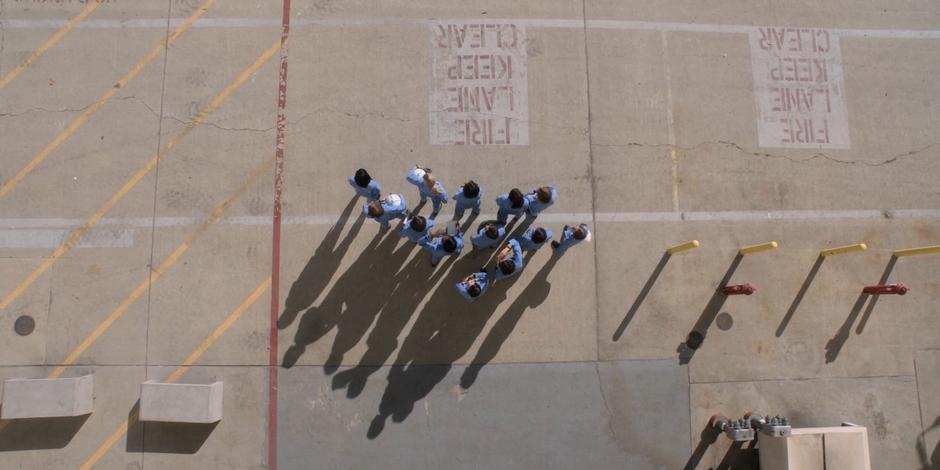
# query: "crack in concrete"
x,y
610,413
741,149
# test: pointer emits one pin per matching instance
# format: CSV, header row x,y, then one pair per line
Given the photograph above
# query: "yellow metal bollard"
x,y
841,250
924,250
757,248
683,247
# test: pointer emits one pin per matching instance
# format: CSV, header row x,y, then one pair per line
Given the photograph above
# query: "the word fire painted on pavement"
x,y
479,84
799,88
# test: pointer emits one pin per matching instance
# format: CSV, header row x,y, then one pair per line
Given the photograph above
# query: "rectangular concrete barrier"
x,y
47,398
832,448
181,403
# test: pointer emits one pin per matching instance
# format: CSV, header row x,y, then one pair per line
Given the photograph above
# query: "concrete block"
x,y
47,398
835,448
181,403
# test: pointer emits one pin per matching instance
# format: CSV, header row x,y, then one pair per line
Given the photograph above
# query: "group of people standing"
x,y
448,240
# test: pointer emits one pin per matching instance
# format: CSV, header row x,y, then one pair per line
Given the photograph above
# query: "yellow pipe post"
x,y
757,248
683,247
841,250
924,250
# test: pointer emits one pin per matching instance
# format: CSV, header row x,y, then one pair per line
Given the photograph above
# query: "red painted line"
x,y
276,240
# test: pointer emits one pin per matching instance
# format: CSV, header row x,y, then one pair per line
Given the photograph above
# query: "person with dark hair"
x,y
393,206
473,285
488,236
442,245
540,199
571,236
428,187
508,261
512,203
416,227
468,196
534,238
365,186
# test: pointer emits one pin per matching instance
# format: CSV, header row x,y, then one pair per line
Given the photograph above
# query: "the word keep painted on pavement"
x,y
799,88
479,84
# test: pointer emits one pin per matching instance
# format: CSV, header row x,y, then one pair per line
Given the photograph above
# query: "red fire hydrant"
x,y
899,289
740,289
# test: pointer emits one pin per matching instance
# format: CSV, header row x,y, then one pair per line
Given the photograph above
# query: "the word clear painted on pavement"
x,y
799,88
479,84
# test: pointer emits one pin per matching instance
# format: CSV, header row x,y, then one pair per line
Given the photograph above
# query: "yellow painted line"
x,y
96,217
85,115
193,357
12,74
757,248
683,247
924,250
841,250
157,273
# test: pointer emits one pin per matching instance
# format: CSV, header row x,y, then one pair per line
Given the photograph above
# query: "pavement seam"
x,y
153,225
102,100
587,90
178,373
92,221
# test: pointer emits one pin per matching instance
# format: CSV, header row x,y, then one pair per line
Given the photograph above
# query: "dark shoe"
x,y
555,244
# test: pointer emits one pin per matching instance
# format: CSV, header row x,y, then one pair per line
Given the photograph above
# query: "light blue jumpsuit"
x,y
416,177
411,234
536,206
436,247
506,209
480,240
527,244
392,211
568,240
371,192
516,258
482,281
462,203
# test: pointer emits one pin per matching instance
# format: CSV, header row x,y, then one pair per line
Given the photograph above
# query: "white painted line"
x,y
51,238
28,224
423,22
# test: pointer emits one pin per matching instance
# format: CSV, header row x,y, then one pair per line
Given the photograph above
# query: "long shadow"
x,y
319,270
165,438
531,297
871,305
799,295
687,351
353,301
642,296
413,286
835,344
740,457
40,433
443,332
707,437
932,461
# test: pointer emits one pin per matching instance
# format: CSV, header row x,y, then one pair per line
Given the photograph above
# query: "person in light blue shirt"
x,y
488,236
473,286
365,186
393,206
416,227
468,196
441,246
508,261
571,236
512,203
428,187
540,199
534,238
